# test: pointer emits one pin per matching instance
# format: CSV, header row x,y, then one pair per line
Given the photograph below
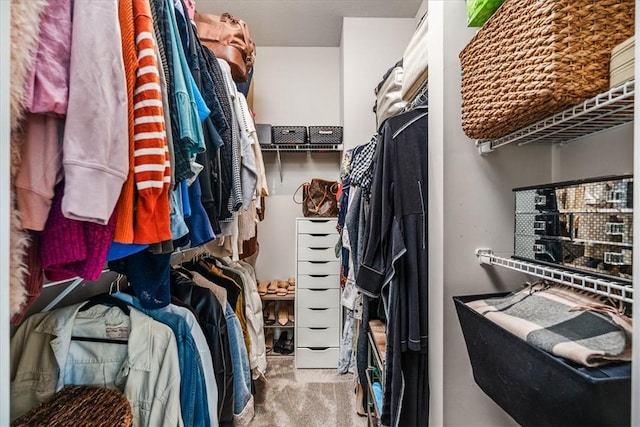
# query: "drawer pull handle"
x,y
539,225
613,258
615,196
318,249
318,329
318,309
538,249
318,290
614,228
539,199
319,262
320,221
319,275
319,235
318,348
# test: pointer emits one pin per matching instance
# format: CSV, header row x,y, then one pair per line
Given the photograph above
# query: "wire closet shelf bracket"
x,y
584,282
604,111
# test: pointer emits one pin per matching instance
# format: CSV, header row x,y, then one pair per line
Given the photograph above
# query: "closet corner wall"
x,y
471,206
5,14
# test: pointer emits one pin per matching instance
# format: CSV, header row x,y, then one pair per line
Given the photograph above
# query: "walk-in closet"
x,y
318,213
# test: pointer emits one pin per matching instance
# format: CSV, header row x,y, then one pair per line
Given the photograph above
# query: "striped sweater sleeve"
x,y
152,169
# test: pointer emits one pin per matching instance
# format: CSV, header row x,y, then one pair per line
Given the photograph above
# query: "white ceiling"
x,y
305,22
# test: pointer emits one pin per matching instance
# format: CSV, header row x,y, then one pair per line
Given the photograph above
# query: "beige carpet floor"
x,y
305,397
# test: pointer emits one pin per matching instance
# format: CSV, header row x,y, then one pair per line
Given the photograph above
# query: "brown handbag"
x,y
319,198
228,37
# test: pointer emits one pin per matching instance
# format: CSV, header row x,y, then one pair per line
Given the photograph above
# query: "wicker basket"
x,y
535,58
80,406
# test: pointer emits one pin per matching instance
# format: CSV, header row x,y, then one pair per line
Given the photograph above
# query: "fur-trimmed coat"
x,y
25,23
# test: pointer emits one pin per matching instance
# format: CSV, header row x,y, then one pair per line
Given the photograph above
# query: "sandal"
x,y
272,287
292,315
282,286
263,287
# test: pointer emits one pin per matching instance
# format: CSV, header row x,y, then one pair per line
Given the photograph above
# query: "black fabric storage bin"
x,y
325,134
537,388
263,130
289,134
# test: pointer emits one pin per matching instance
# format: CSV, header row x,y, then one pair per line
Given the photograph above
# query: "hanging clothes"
x,y
146,368
395,264
212,320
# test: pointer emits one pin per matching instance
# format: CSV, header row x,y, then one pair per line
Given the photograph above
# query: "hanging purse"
x,y
228,37
319,198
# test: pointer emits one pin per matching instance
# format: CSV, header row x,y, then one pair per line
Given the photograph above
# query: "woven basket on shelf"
x,y
534,58
80,406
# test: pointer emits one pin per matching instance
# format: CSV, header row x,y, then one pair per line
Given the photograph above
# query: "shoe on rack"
x,y
263,287
288,346
282,287
292,314
268,340
272,287
283,313
279,346
269,313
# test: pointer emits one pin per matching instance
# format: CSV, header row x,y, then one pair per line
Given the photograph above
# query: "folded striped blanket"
x,y
563,322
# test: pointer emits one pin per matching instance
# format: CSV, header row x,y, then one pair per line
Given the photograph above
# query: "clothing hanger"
x,y
106,299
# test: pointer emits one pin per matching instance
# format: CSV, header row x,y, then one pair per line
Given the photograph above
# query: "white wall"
x,y
470,206
293,86
606,153
369,46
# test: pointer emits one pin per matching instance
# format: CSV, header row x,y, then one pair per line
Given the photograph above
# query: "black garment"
x,y
395,262
226,153
233,289
211,319
182,166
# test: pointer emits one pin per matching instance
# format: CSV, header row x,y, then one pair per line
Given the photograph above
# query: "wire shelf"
x,y
606,288
301,148
605,111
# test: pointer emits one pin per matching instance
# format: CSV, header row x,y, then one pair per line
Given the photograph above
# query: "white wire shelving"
x,y
301,148
604,111
607,288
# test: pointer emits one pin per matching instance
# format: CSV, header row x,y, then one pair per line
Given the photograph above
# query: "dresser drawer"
x,y
543,224
316,254
317,226
606,195
536,200
317,358
318,281
318,298
319,267
318,317
317,240
318,337
603,227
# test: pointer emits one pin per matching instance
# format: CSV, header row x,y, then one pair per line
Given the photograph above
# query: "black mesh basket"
x,y
325,134
289,134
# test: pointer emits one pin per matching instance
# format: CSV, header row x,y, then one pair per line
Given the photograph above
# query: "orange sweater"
x,y
152,168
126,202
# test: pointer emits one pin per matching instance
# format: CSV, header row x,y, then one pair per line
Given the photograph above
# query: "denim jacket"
x,y
193,394
44,359
240,360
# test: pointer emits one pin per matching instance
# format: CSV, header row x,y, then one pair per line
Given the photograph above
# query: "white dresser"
x,y
317,324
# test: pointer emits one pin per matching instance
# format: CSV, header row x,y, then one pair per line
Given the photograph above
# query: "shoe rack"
x,y
278,308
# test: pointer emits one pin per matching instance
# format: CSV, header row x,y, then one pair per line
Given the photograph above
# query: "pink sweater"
x,y
95,144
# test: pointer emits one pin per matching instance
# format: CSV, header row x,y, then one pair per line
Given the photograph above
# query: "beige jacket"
x,y
44,359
